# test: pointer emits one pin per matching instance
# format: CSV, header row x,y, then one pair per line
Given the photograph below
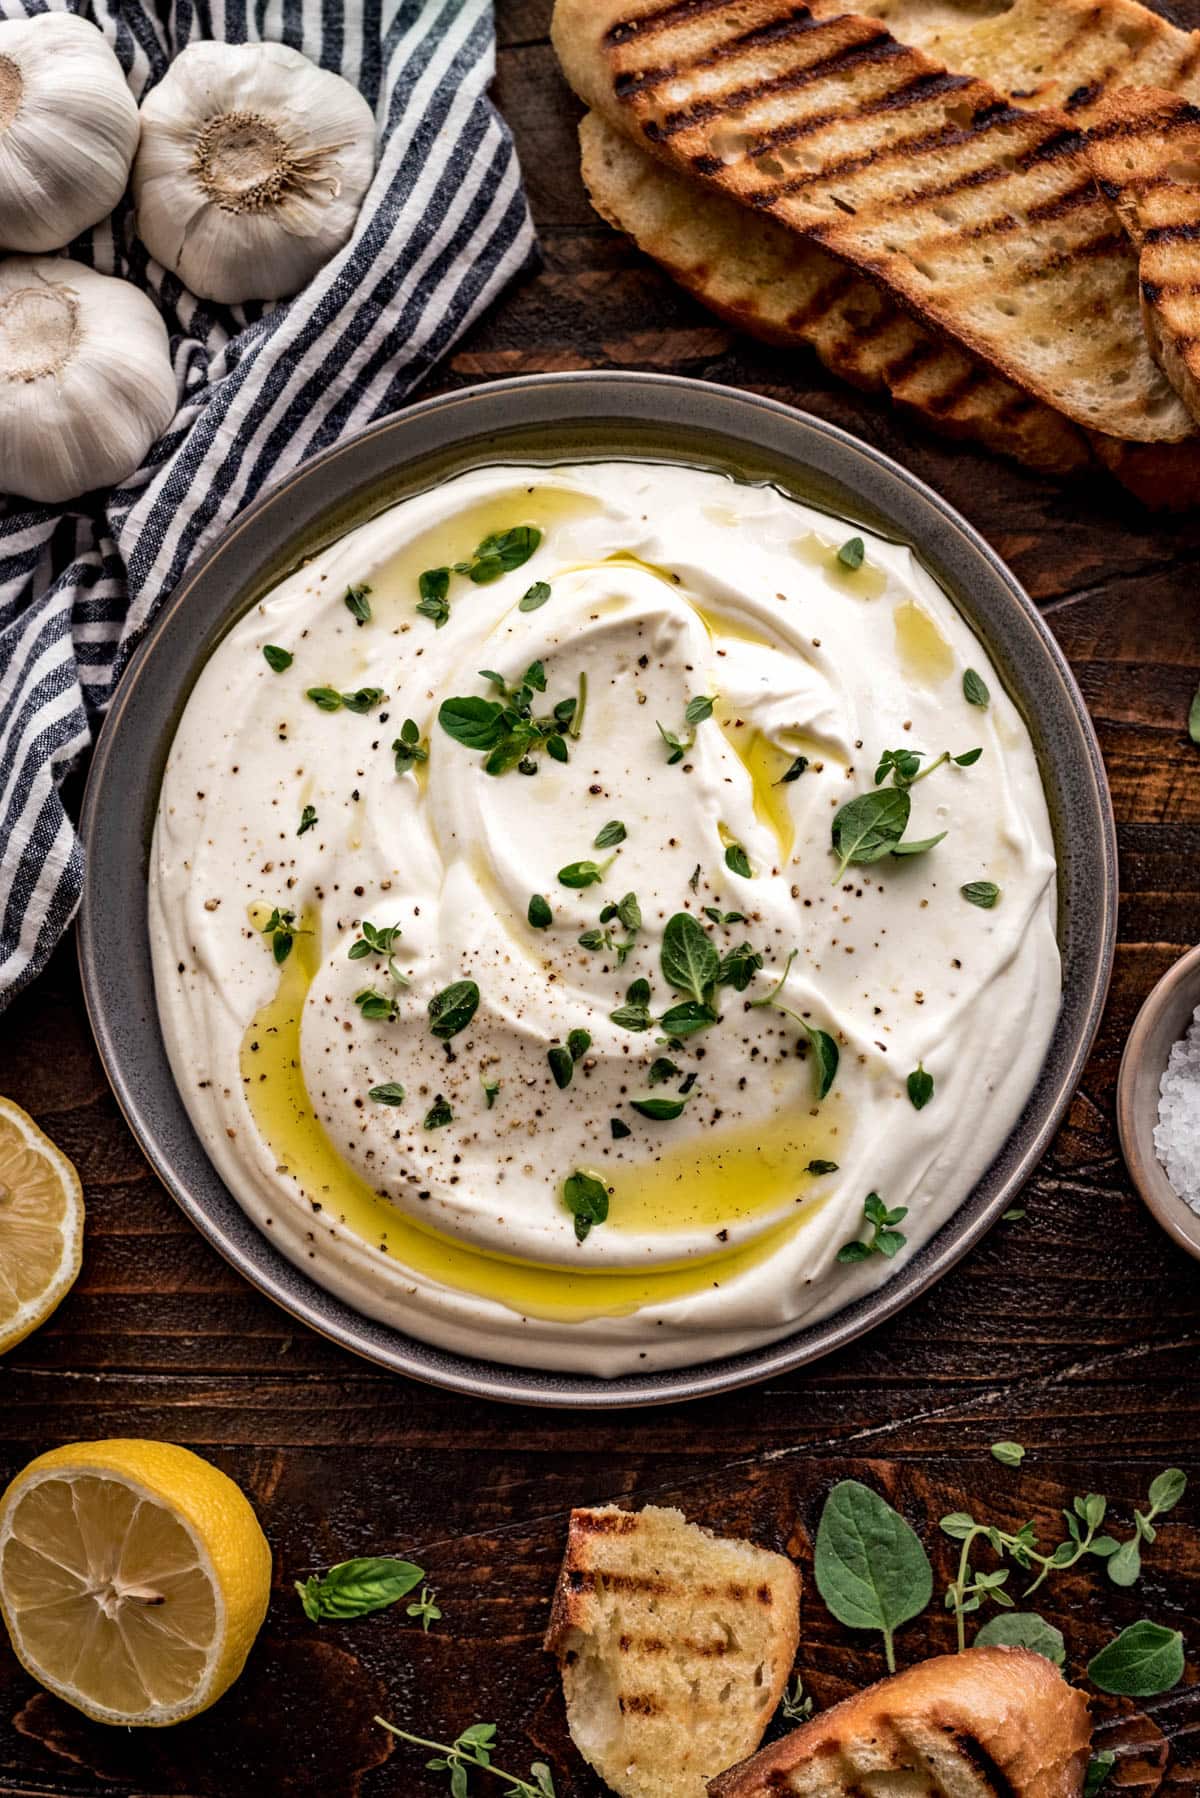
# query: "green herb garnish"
x,y
539,914
821,1167
610,835
794,772
689,961
378,940
356,1588
869,1564
277,659
1141,1662
425,1608
739,967
695,712
491,1090
853,553
586,1198
409,748
635,1013
281,928
363,699
308,818
562,1065
660,1110
920,1087
433,586
584,874
824,1049
869,827
391,1094
738,861
1023,1629
534,596
439,1114
473,1748
983,893
795,1706
619,1129
975,689
380,1008
358,604
452,1009
1098,1770
884,1239
506,729
1009,1454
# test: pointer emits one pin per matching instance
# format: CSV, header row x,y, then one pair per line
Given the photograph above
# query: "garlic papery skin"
x,y
86,382
68,130
252,167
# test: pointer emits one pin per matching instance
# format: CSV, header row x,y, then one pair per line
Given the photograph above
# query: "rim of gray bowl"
x,y
559,418
1164,1016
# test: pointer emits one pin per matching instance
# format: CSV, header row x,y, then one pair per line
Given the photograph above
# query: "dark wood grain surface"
x,y
1074,1331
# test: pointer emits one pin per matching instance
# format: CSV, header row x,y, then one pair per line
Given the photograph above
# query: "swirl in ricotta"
x,y
667,585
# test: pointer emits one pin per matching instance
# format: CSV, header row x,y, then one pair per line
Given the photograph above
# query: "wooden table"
x,y
1073,1331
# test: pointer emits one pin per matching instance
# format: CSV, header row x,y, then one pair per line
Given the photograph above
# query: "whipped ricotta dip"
x,y
505,959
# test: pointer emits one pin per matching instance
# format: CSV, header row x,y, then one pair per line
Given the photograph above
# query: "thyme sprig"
x,y
473,1748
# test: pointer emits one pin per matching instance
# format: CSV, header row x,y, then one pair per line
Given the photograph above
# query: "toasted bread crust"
x,y
1067,54
1007,1713
1144,146
981,219
757,275
674,1646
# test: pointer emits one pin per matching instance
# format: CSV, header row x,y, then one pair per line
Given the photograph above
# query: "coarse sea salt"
x,y
1177,1133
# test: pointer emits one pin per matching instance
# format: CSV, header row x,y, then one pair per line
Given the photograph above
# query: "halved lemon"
x,y
134,1578
41,1225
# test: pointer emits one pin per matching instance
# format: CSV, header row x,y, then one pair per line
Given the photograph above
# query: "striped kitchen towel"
x,y
443,228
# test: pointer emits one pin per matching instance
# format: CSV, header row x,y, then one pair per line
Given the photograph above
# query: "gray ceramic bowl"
x,y
1161,1022
547,419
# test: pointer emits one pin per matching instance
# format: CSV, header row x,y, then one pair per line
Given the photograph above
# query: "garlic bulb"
x,y
252,167
86,383
68,130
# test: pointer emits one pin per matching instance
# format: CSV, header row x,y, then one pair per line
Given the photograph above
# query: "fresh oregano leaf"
x,y
974,688
821,1167
534,596
738,861
539,914
1141,1662
853,552
439,1114
586,1198
869,827
1024,1629
870,1567
277,659
1098,1770
920,1087
562,1065
689,959
358,604
390,1094
1125,1566
452,1009
1009,1454
610,835
356,1588
660,1110
983,893
1167,1489
475,723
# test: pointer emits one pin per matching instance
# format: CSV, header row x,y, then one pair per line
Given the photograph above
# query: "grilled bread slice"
x,y
1144,145
983,220
988,1722
674,1644
754,272
1056,53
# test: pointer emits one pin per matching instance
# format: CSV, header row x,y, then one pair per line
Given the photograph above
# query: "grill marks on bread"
x,y
1050,53
980,217
990,1723
1145,149
753,272
674,1647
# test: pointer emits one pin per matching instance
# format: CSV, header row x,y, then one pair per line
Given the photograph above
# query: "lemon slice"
x,y
133,1578
41,1225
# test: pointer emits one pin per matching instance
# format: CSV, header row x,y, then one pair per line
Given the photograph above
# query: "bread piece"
x,y
674,1645
1145,148
751,270
983,220
1053,53
986,1723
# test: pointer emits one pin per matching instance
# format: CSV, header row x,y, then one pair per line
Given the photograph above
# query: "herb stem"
x,y
467,1754
944,757
576,724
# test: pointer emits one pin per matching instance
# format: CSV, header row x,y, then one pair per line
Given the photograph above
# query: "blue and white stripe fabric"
x,y
443,229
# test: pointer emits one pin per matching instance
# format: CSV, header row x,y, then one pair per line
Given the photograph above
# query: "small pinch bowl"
x,y
551,419
1163,1019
